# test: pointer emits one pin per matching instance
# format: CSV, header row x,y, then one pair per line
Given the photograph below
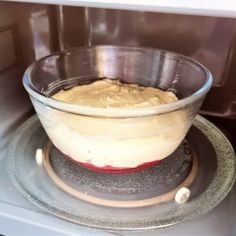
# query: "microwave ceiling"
x,y
215,8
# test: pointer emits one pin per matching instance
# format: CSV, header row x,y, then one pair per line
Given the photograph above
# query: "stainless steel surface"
x,y
206,39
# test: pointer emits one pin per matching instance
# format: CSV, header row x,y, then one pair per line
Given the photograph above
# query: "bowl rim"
x,y
116,112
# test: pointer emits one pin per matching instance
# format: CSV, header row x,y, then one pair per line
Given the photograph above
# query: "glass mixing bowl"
x,y
117,138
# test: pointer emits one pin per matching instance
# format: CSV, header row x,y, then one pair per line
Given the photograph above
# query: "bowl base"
x,y
112,169
132,188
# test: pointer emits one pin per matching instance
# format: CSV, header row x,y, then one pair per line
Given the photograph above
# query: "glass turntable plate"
x,y
214,179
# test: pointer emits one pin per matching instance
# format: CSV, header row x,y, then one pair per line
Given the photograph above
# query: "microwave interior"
x,y
30,31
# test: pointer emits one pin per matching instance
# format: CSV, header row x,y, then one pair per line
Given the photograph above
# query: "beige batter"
x,y
118,142
112,93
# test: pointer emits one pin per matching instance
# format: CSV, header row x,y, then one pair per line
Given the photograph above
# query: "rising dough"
x,y
116,142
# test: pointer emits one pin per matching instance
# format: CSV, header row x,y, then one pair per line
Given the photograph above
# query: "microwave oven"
x,y
30,31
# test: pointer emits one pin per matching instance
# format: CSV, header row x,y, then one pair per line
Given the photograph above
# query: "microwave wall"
x,y
29,32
